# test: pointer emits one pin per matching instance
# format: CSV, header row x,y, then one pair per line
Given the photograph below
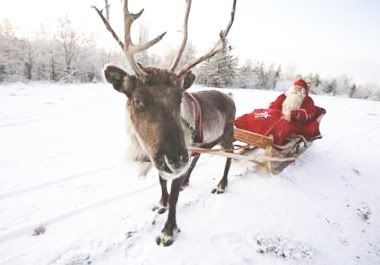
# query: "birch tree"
x,y
68,38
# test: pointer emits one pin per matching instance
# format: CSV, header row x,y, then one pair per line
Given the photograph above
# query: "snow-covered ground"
x,y
68,196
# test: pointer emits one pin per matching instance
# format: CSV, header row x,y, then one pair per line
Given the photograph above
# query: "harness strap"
x,y
198,130
191,128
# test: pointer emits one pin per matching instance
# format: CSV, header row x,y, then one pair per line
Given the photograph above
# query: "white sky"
x,y
332,37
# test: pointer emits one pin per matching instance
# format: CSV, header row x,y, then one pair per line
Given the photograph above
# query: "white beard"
x,y
293,101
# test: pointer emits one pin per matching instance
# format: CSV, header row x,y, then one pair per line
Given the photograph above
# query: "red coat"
x,y
270,121
304,114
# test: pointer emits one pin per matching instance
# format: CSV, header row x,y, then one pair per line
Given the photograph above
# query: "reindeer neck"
x,y
187,109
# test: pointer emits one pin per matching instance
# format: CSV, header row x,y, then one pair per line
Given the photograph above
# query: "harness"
x,y
197,132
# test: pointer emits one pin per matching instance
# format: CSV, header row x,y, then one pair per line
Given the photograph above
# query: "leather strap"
x,y
198,137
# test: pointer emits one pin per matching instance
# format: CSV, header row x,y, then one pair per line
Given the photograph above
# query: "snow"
x,y
69,196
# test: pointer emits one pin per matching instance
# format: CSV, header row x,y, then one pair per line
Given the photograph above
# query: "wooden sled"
x,y
274,158
247,144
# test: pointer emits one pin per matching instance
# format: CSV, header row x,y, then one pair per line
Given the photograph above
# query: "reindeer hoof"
x,y
160,208
218,190
166,240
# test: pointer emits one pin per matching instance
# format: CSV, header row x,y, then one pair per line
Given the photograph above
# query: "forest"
x,y
68,56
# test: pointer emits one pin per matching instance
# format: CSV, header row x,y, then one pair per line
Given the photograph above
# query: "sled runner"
x,y
260,149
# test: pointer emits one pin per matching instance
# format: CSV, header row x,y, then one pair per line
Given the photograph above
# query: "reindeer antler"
x,y
185,33
108,27
220,45
131,49
128,47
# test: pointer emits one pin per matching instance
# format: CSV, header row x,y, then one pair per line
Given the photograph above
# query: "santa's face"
x,y
296,90
294,98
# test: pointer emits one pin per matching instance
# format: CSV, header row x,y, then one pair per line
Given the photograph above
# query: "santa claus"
x,y
293,112
295,104
298,113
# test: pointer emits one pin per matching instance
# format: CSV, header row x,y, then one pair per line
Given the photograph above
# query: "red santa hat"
x,y
303,84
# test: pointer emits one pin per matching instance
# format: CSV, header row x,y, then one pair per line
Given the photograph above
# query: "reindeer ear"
x,y
120,80
187,80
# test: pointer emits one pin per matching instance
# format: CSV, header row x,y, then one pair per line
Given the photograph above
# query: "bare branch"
x,y
108,27
185,34
220,45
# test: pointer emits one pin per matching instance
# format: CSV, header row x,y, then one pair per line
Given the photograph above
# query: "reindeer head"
x,y
154,111
154,95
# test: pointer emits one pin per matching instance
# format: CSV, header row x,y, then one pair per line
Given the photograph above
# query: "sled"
x,y
275,157
260,149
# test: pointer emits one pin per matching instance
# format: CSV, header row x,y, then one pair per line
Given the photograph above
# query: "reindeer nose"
x,y
176,164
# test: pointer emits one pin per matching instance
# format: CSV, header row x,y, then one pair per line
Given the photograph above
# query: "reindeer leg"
x,y
163,204
166,238
186,176
227,143
221,188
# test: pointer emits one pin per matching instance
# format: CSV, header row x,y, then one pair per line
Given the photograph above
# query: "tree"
x,y
169,56
266,78
352,90
314,82
344,84
40,45
69,41
246,75
188,54
219,71
143,57
273,75
329,86
3,73
277,75
261,77
28,61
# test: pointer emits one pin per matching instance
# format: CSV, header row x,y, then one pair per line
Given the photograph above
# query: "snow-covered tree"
x,y
170,54
41,45
375,92
344,84
28,60
68,38
246,77
266,77
143,57
11,54
352,90
219,71
3,46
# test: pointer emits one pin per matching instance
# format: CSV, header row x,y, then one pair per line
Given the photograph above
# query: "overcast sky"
x,y
332,37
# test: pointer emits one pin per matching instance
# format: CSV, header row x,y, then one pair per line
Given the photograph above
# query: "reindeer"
x,y
164,119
